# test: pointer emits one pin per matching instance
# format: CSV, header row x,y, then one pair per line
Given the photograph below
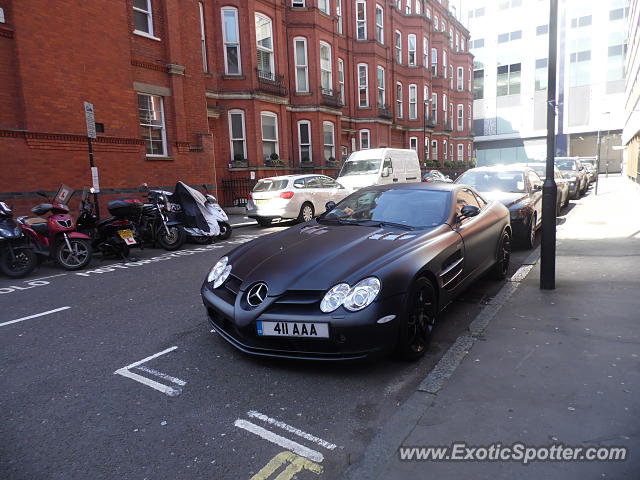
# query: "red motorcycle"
x,y
55,237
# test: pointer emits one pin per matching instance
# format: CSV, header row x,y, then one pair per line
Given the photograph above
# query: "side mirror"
x,y
469,211
329,206
581,168
386,171
339,186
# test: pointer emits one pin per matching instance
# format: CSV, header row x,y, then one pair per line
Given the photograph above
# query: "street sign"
x,y
63,194
95,180
90,119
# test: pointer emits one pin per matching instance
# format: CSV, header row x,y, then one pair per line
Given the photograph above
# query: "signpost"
x,y
91,134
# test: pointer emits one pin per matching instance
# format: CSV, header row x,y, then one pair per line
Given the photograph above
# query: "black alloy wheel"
x,y
225,231
419,320
529,235
18,265
501,267
172,240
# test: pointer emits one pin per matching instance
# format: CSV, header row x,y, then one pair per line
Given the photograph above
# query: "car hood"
x,y
506,198
316,256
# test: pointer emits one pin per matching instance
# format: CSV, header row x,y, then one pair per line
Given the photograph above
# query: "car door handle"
x,y
395,179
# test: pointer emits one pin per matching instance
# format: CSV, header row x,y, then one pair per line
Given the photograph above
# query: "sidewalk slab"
x,y
552,367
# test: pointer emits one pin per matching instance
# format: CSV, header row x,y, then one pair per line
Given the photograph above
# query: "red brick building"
x,y
207,91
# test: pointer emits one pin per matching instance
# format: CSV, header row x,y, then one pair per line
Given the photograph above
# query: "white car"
x,y
299,197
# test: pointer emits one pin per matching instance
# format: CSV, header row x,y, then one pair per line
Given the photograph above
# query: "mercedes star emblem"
x,y
257,294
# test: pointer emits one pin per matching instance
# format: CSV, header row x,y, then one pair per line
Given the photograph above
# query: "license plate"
x,y
262,201
293,329
127,236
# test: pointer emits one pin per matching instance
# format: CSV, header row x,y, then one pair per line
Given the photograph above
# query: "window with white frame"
x,y
443,26
468,79
434,62
426,148
434,107
434,150
203,39
324,7
339,15
418,7
326,70
460,117
461,152
361,20
457,42
462,44
413,101
341,80
152,126
365,140
304,141
445,150
379,24
264,43
411,49
328,134
435,23
399,112
451,120
381,86
460,79
302,64
143,17
444,107
269,134
451,38
413,143
469,151
398,42
428,13
363,85
444,63
425,99
231,41
407,9
298,3
425,52
469,117
237,135
451,77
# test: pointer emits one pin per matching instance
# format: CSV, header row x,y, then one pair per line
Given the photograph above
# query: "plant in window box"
x,y
305,160
332,162
274,161
450,164
239,161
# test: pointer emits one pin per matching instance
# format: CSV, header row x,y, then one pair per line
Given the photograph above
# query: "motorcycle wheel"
x,y
174,240
201,239
24,263
225,231
78,257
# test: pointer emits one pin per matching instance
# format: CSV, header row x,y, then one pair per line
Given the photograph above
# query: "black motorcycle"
x,y
156,225
113,236
17,257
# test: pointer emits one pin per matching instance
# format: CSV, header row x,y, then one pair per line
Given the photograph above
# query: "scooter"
x,y
113,236
17,257
56,236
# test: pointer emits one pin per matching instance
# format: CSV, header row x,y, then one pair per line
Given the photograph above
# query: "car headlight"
x,y
219,272
353,298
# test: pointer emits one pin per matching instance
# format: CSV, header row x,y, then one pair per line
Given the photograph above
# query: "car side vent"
x,y
391,236
314,230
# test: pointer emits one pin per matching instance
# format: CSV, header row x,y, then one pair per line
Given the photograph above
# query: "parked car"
x,y
288,197
591,171
379,166
435,176
518,188
573,171
368,276
562,199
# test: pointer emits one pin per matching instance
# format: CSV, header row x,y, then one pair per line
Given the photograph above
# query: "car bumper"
x,y
352,335
275,210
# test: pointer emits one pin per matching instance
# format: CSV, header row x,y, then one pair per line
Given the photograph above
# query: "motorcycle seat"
x,y
102,223
38,224
34,220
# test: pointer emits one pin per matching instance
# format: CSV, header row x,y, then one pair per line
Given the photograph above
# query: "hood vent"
x,y
315,230
391,236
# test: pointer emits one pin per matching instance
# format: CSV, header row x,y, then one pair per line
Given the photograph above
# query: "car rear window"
x,y
566,164
268,185
489,181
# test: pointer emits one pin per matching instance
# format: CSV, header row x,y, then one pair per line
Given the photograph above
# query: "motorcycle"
x,y
202,216
114,235
17,257
56,236
154,224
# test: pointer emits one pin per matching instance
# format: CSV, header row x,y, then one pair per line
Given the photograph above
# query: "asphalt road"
x,y
81,399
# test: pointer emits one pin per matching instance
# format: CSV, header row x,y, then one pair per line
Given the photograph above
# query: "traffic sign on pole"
x,y
90,119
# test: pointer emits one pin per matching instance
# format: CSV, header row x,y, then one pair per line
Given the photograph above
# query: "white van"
x,y
379,166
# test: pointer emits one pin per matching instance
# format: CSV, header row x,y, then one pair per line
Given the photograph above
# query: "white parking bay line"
x,y
290,429
281,441
34,316
150,357
164,376
166,389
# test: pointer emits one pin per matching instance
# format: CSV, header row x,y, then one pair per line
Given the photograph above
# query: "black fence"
x,y
235,191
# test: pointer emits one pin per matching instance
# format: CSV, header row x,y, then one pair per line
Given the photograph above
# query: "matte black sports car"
x,y
368,276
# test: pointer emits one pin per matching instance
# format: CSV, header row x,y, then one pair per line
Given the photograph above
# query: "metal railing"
x,y
384,111
331,98
272,83
234,192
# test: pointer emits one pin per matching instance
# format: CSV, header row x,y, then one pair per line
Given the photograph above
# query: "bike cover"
x,y
194,212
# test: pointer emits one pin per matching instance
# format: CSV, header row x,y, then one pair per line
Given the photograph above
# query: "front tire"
x,y
264,222
419,319
24,263
173,240
529,235
75,258
501,267
306,213
225,231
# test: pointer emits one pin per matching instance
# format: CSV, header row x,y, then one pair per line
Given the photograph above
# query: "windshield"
x,y
360,167
541,170
566,164
269,185
405,208
490,181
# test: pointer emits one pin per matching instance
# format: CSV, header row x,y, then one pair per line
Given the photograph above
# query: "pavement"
x,y
538,367
240,220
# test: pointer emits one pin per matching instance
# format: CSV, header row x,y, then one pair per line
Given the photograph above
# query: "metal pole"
x,y
549,188
599,141
91,164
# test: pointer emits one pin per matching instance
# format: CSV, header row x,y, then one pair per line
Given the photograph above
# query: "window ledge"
x,y
303,94
146,35
154,158
238,76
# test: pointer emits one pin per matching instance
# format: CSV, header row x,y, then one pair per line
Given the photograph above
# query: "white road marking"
x,y
164,376
34,316
289,428
43,278
281,441
166,389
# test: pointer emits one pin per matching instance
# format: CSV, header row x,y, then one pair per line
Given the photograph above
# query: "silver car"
x,y
299,197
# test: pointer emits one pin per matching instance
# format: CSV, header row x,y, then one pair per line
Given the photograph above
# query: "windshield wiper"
x,y
382,223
